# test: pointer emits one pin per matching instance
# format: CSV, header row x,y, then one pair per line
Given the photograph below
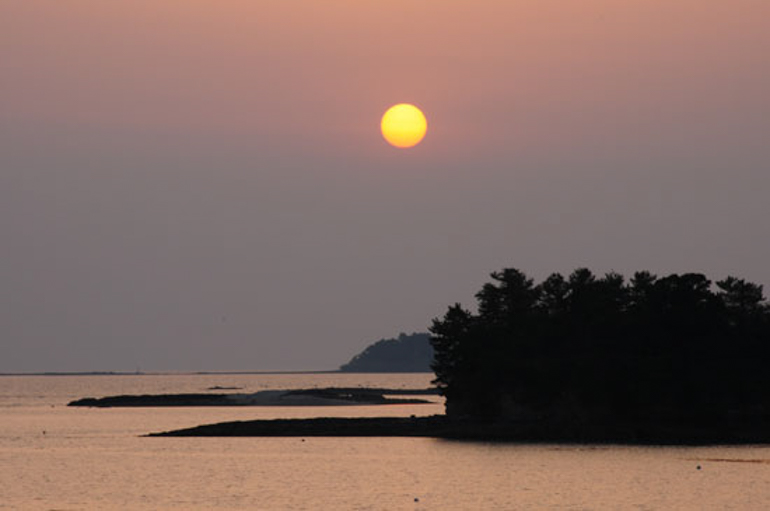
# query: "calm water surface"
x,y
54,457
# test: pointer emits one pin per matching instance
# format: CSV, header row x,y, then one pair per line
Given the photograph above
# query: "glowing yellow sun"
x,y
403,125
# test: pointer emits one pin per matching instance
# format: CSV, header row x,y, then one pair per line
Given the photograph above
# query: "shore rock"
x,y
301,397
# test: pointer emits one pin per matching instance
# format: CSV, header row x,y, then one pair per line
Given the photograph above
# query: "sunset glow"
x,y
403,125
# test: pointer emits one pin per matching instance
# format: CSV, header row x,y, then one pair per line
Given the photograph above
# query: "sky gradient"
x,y
200,185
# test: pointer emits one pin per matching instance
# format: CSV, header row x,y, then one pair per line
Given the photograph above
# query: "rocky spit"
x,y
299,397
529,431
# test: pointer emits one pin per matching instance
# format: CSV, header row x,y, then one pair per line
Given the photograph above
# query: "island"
x,y
671,360
601,357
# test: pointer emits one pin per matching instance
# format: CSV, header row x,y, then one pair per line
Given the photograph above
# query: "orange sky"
x,y
323,71
166,163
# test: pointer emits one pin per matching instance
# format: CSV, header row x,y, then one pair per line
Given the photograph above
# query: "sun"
x,y
403,125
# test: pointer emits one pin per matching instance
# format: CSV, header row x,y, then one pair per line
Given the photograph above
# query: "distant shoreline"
x,y
194,373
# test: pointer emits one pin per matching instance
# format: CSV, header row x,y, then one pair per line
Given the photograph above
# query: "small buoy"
x,y
416,499
698,467
44,432
303,439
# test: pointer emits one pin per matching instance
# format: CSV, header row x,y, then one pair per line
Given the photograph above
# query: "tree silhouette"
x,y
600,348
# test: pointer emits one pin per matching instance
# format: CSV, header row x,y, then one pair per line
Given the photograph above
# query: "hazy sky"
x,y
201,185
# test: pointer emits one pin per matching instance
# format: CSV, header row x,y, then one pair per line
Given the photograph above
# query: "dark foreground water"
x,y
55,457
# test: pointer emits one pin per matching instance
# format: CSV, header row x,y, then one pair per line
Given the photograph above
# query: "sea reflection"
x,y
55,457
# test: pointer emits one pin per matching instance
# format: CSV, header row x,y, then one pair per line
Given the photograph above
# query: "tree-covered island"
x,y
592,357
674,360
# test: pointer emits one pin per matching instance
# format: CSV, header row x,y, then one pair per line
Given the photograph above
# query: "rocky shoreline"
x,y
649,430
332,396
440,426
330,427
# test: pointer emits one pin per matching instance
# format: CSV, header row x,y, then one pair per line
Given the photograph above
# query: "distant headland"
x,y
408,353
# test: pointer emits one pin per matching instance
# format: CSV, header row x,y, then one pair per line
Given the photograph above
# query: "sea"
x,y
54,457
